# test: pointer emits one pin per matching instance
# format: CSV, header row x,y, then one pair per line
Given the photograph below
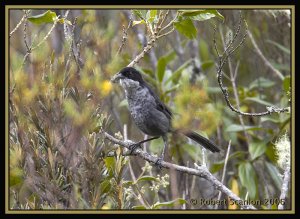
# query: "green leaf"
x,y
145,178
178,201
248,178
110,163
138,22
16,176
186,28
258,100
269,119
140,13
105,186
161,67
201,15
216,166
47,17
286,83
261,82
139,207
281,47
207,65
151,15
123,103
176,75
257,148
275,174
239,128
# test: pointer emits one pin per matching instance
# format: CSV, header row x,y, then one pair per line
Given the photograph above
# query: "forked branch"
x,y
229,49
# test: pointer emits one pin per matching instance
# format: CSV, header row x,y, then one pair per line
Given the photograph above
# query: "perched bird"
x,y
149,113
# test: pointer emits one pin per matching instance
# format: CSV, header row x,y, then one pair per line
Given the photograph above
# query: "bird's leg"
x,y
161,158
138,144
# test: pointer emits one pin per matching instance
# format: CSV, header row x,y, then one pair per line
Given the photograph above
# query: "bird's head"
x,y
128,77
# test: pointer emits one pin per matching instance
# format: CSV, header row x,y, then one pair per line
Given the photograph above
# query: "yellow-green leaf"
x,y
47,17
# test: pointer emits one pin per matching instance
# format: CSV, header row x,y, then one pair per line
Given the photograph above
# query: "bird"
x,y
150,114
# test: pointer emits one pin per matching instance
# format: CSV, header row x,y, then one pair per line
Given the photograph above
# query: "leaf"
x,y
186,28
275,175
138,22
161,67
269,119
15,176
281,47
47,17
140,13
178,201
105,186
216,166
286,83
206,65
151,15
201,15
235,190
261,82
257,148
110,163
123,103
146,178
176,75
247,176
139,207
239,128
258,100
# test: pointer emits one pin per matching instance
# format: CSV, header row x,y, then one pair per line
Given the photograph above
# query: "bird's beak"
x,y
116,78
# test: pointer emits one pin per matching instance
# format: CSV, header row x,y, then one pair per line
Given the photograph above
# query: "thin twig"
x,y
224,169
199,171
222,60
124,38
265,61
26,12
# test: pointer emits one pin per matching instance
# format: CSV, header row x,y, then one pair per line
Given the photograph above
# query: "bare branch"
x,y
285,187
26,12
224,169
124,38
200,171
266,62
228,51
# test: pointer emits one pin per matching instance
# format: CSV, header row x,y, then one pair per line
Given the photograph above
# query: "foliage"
x,y
58,157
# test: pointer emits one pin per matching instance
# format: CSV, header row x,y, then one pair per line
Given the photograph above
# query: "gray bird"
x,y
149,113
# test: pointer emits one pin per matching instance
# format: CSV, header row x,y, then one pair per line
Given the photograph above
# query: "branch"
x,y
229,50
200,171
285,187
266,62
20,22
154,35
125,33
224,169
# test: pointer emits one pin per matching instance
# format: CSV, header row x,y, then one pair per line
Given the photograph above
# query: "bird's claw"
x,y
158,163
133,147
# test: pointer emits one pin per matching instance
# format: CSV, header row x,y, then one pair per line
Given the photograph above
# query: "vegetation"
x,y
61,102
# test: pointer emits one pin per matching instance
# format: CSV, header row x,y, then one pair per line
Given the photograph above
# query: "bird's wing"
x,y
160,105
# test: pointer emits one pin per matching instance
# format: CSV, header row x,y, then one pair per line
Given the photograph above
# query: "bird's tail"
x,y
201,140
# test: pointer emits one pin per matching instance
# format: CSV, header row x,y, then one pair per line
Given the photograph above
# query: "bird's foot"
x,y
158,162
133,147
